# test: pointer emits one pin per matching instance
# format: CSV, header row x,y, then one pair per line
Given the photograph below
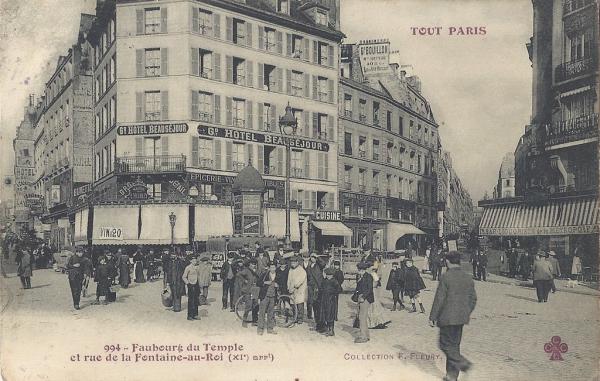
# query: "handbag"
x,y
167,297
354,297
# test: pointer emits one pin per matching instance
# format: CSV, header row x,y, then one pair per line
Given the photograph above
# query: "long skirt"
x,y
139,272
376,313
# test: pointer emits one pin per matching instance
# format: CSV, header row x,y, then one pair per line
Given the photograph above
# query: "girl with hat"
x,y
413,284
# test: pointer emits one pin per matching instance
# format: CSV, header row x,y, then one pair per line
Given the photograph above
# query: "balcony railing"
x,y
240,80
575,68
375,156
362,154
206,73
205,117
323,96
269,127
362,118
565,131
348,185
348,113
375,190
238,165
573,5
205,163
152,115
237,122
150,164
361,188
321,135
296,172
270,170
297,91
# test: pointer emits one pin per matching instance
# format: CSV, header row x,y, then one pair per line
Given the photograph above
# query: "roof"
x,y
248,180
507,168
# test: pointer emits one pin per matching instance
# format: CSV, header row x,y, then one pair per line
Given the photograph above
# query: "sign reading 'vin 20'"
x,y
110,233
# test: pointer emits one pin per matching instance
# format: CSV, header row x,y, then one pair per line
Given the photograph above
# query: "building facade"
x,y
187,94
556,159
388,144
505,187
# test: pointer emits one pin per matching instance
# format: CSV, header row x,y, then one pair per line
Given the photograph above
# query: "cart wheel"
x,y
240,307
286,312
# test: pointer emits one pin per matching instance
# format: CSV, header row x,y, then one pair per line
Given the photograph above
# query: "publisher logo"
x,y
556,348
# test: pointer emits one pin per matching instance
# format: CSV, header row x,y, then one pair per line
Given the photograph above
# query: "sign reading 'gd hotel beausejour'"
x,y
254,137
153,129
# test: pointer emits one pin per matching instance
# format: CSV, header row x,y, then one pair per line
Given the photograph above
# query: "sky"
x,y
479,86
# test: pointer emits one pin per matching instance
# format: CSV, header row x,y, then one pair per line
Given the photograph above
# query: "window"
x,y
347,176
105,160
98,175
322,88
362,109
205,191
152,62
376,113
297,83
389,121
154,191
238,156
270,40
205,62
347,209
376,151
361,180
269,81
361,211
320,128
239,71
296,163
347,143
112,29
104,118
298,115
267,117
321,18
205,106
322,53
239,31
152,20
112,112
362,147
205,154
296,49
237,112
113,69
152,103
204,21
375,182
348,105
375,212
283,6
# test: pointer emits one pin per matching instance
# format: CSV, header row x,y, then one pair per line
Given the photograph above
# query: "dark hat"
x,y
394,263
294,258
363,265
336,263
204,258
329,271
252,261
230,255
305,254
453,257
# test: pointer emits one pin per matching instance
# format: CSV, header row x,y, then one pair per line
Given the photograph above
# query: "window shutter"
x,y
217,109
288,77
305,52
194,57
315,119
280,163
273,116
326,166
313,200
261,110
217,159
305,120
248,34
139,146
315,88
330,56
261,79
164,105
195,21
319,165
261,37
228,150
164,61
194,162
249,115
249,73
279,74
315,52
216,66
279,39
229,31
139,106
307,85
217,25
228,118
139,62
164,144
288,46
306,203
194,105
261,159
139,21
229,67
306,154
163,20
248,154
330,128
330,90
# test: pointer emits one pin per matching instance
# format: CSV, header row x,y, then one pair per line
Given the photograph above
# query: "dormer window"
x,y
283,6
321,17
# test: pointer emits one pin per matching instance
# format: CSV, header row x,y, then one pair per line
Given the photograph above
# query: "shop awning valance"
x,y
556,217
333,228
274,223
116,225
213,220
155,228
396,231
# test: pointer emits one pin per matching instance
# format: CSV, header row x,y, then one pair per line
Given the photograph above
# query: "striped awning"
x,y
556,217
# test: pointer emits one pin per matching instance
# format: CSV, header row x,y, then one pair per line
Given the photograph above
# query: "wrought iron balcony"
x,y
150,164
205,117
361,188
571,130
348,185
269,127
206,73
574,5
205,163
348,113
575,68
296,172
237,166
375,190
270,170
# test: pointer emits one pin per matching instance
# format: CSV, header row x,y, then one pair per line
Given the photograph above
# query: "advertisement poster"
x,y
439,157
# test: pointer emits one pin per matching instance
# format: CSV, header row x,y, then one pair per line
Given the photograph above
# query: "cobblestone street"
x,y
505,339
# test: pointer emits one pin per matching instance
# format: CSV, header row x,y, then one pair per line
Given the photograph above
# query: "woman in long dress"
x,y
376,316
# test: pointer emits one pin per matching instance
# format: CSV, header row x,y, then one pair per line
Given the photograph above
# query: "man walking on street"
x,y
453,304
364,297
227,278
204,278
542,277
190,278
473,260
482,266
75,269
551,258
394,284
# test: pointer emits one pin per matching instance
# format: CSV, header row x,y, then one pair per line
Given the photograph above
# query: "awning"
x,y
116,225
274,223
334,228
155,228
556,217
575,91
80,236
396,231
212,220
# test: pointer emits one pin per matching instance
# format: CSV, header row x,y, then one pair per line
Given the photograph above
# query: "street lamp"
x,y
172,220
287,126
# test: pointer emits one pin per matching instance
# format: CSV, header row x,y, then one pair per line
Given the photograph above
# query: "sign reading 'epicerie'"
x,y
153,129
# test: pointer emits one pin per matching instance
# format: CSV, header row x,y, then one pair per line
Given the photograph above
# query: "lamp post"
x,y
287,126
172,220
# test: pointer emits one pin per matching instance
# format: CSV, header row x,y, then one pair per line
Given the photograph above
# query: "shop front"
x,y
402,236
327,230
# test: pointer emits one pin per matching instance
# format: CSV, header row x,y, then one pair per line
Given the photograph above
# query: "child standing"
x,y
328,300
395,284
413,284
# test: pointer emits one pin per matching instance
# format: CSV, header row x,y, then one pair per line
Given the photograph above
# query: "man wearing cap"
x,y
297,286
190,277
364,297
176,269
165,259
282,276
542,276
227,278
551,258
454,301
204,278
248,283
75,269
267,296
328,302
314,277
395,283
338,274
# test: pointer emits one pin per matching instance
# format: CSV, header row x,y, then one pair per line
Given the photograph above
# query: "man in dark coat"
x,y
123,266
328,301
75,269
228,271
338,274
267,296
525,264
166,265
88,269
111,262
258,249
176,270
24,269
282,277
364,297
395,283
482,261
512,261
103,280
248,282
314,278
454,301
138,266
473,260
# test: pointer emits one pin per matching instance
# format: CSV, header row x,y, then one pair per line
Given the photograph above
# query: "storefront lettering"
x,y
323,215
550,230
111,233
220,179
178,186
153,129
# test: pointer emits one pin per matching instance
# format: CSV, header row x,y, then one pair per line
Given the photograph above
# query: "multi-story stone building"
x,y
63,138
556,159
189,93
505,186
388,148
455,207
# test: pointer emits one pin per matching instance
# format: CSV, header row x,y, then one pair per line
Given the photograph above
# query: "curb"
x,y
529,285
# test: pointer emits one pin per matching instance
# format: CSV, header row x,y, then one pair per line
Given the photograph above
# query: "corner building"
x,y
189,93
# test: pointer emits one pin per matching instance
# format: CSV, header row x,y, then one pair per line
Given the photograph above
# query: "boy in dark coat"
x,y
248,281
338,274
482,266
176,270
282,277
102,278
267,296
395,284
328,301
413,284
228,272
